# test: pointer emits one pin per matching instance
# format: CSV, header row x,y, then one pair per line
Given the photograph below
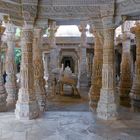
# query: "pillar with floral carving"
x,y
135,90
39,81
126,77
107,105
53,54
96,85
10,67
82,76
3,94
27,105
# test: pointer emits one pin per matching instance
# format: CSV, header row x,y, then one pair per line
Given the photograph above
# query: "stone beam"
x,y
128,7
75,2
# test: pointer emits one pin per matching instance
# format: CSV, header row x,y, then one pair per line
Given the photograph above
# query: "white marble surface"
x,y
70,126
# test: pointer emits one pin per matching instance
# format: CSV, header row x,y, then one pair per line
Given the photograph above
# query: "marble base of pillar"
x,y
41,98
124,97
3,96
107,107
26,110
135,97
83,81
12,96
94,98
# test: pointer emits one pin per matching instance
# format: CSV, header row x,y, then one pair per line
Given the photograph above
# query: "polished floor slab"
x,y
70,126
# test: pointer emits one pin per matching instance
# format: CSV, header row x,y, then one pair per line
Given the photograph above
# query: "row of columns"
x,y
32,93
31,99
103,96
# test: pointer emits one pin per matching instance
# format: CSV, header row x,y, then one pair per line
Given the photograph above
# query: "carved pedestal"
x,y
11,85
107,107
126,77
27,106
3,94
39,82
135,91
94,93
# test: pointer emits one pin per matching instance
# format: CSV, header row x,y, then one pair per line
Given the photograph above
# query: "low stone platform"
x,y
70,126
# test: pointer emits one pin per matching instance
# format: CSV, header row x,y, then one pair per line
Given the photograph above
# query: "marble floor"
x,y
54,125
68,102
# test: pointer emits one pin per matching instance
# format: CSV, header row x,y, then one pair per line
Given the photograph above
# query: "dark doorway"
x,y
68,61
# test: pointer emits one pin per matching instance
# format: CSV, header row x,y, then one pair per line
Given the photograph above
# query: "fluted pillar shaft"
x,y
39,81
107,107
11,85
96,82
53,55
135,90
3,94
83,79
27,106
126,77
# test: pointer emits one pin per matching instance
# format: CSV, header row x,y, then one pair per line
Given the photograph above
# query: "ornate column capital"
x,y
82,28
38,32
2,29
10,32
125,36
136,29
52,30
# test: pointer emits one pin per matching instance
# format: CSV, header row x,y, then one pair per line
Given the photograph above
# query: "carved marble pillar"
x,y
135,90
45,62
107,106
83,79
126,77
27,106
3,94
11,85
96,83
39,81
53,54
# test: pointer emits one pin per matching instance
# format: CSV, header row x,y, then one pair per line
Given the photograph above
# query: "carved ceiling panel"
x,y
41,10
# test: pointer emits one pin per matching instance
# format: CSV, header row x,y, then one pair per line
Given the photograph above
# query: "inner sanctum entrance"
x,y
68,61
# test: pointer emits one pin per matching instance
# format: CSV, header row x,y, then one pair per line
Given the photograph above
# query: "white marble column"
x,y
11,85
96,82
126,76
45,63
53,54
3,94
27,105
83,79
135,90
39,81
107,105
